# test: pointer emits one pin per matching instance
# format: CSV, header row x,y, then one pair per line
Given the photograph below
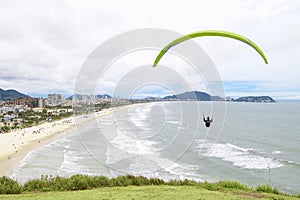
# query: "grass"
x,y
132,187
161,192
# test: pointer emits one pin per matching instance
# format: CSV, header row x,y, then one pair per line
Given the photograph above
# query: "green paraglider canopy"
x,y
209,33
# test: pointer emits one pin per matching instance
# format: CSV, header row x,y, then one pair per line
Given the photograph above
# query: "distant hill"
x,y
80,97
7,95
194,95
257,99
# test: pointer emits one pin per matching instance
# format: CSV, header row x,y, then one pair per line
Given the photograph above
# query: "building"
x,y
55,99
41,103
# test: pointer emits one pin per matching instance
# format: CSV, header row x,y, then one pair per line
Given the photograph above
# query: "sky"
x,y
43,44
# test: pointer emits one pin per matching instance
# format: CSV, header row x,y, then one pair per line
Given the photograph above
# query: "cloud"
x,y
43,44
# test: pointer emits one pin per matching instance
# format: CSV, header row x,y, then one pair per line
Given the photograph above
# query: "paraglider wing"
x,y
209,33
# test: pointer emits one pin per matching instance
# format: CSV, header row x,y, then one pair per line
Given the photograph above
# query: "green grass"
x,y
161,192
132,187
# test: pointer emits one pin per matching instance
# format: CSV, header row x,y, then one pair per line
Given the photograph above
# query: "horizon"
x,y
142,97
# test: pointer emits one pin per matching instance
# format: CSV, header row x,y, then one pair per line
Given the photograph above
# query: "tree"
x,y
5,129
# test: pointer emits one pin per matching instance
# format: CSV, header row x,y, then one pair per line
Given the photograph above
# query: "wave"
x,y
183,171
276,152
133,145
172,122
140,116
239,156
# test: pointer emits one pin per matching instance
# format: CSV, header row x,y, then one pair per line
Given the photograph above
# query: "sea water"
x,y
254,143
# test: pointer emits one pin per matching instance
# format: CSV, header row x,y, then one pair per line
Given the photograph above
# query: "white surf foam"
x,y
238,156
140,116
132,145
276,152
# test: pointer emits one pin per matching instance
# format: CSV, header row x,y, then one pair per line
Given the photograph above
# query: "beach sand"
x,y
17,144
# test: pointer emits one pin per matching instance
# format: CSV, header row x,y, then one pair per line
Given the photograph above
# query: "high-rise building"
x,y
41,102
55,99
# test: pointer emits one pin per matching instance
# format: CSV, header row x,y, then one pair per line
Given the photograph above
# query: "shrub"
x,y
122,181
174,182
79,182
233,185
267,189
156,181
100,181
33,185
209,186
60,184
139,180
9,186
83,182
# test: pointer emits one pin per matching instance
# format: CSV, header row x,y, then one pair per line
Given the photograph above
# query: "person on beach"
x,y
207,121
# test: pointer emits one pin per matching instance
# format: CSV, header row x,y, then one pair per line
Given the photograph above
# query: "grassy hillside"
x,y
131,187
161,192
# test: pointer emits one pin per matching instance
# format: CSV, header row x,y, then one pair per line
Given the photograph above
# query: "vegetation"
x,y
150,192
125,186
31,118
9,186
267,189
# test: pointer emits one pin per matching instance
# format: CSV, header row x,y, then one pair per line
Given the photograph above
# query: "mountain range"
x,y
7,95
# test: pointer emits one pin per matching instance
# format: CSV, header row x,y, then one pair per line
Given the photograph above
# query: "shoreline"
x,y
17,144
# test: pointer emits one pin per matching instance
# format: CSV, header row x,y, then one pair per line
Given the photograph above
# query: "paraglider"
x,y
210,33
207,121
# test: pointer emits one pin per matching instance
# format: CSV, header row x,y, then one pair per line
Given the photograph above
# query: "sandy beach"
x,y
16,145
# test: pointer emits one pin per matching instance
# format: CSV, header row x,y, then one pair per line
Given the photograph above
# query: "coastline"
x,y
17,144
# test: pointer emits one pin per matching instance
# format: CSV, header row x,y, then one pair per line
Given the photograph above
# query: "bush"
x,y
9,186
135,180
60,184
209,186
83,182
156,181
140,180
233,185
79,182
33,185
122,181
100,181
267,189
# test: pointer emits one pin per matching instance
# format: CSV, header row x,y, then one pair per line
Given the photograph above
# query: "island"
x,y
255,99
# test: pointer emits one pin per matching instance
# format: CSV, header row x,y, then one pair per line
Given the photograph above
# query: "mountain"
x,y
80,97
257,99
7,95
194,95
103,96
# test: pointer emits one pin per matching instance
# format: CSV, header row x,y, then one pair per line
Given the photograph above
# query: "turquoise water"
x,y
254,143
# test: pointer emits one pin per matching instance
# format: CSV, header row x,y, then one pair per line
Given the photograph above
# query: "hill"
x,y
7,95
194,95
256,99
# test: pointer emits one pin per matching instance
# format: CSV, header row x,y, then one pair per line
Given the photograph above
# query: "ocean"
x,y
253,143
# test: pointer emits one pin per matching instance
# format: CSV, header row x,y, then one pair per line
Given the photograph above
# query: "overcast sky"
x,y
43,44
